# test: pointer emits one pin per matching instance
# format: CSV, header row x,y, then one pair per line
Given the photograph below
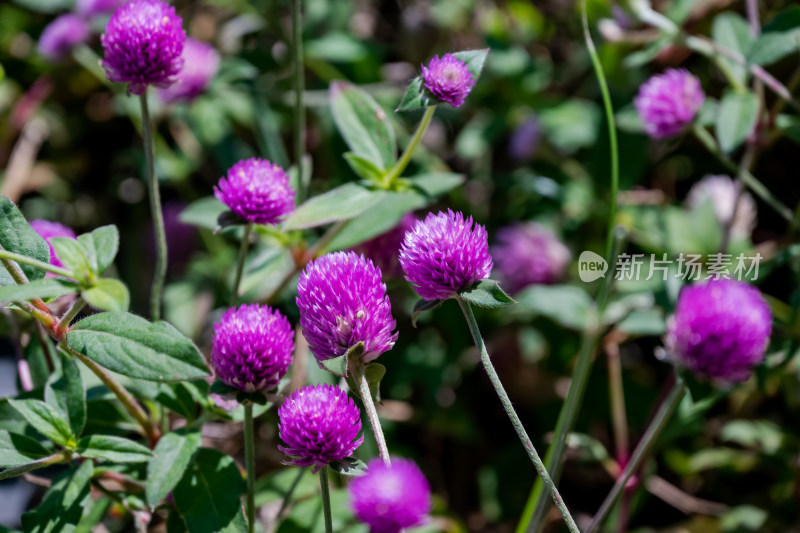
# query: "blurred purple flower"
x,y
525,139
62,35
256,191
48,230
383,250
319,424
252,348
92,8
668,103
722,192
391,498
143,45
200,65
342,302
720,330
444,254
529,253
448,79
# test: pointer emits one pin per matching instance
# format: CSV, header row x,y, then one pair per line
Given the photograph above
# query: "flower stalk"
x,y
326,499
250,463
405,157
372,414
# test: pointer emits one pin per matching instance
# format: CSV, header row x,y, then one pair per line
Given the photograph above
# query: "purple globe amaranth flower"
x,y
390,498
529,253
319,424
200,64
62,35
383,249
256,191
448,79
444,254
47,230
723,192
252,348
92,8
143,45
668,103
342,302
720,330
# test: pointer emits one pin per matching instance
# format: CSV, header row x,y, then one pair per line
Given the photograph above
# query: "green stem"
x,y
326,499
63,324
5,254
299,88
512,415
642,450
60,457
155,208
250,460
405,158
240,263
372,415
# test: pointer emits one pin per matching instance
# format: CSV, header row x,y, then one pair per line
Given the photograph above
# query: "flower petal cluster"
x,y
720,330
200,64
383,249
252,347
668,103
526,254
342,302
723,192
62,35
391,498
319,424
47,230
257,191
143,45
444,254
448,79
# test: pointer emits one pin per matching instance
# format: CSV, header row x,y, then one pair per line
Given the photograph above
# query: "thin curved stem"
x,y
512,415
47,267
405,158
326,499
287,498
250,462
60,457
248,229
155,208
372,415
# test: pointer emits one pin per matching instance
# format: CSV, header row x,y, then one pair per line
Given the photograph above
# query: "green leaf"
x,y
341,365
208,494
487,293
18,450
63,503
74,258
416,96
171,457
363,167
132,346
41,288
17,236
571,124
732,32
101,247
475,60
350,466
203,212
115,449
422,306
737,117
566,305
67,393
780,37
363,124
374,373
108,295
341,203
45,419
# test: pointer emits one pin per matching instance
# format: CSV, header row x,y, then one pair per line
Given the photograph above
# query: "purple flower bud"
x,y
444,254
448,79
319,425
667,103
257,191
529,253
391,498
383,249
722,192
48,230
62,35
342,302
200,64
143,45
720,330
252,348
92,8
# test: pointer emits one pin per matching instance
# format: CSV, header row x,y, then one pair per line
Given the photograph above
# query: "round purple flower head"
x,y
720,330
200,64
252,347
444,254
529,253
383,249
62,35
342,302
319,425
143,45
667,103
92,8
391,498
257,191
47,230
448,79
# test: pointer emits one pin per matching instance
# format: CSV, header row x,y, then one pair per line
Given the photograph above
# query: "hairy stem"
x,y
60,457
47,267
326,499
72,312
405,158
248,229
250,461
155,208
372,415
